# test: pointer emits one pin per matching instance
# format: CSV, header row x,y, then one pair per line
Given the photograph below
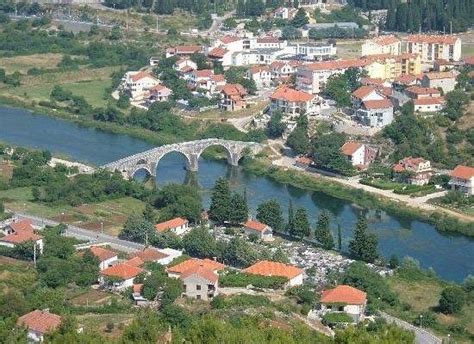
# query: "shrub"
x,y
236,279
452,300
334,319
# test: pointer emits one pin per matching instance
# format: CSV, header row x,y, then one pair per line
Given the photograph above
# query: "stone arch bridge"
x,y
191,150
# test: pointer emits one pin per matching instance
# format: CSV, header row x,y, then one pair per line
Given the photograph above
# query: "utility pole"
x,y
101,227
146,239
451,27
34,253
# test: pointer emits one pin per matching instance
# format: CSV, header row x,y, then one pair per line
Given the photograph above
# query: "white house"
x,y
159,93
200,283
119,276
419,170
359,154
388,44
38,323
137,83
376,113
150,254
261,75
171,254
206,80
291,101
462,179
444,80
178,226
106,257
286,13
184,65
365,93
19,232
268,268
264,232
314,51
344,298
282,70
428,104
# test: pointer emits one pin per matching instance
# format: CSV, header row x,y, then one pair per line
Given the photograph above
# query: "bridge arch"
x,y
141,167
225,148
187,158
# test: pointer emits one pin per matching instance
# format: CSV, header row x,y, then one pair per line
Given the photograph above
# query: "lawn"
x,y
91,297
98,322
23,63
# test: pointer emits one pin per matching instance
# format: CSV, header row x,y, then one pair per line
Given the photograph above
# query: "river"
x,y
451,256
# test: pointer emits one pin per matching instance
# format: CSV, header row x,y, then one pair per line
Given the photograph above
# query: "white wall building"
x,y
444,80
462,179
178,226
382,45
376,113
269,268
138,83
344,298
434,47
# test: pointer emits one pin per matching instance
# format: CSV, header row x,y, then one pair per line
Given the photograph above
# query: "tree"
x,y
290,33
456,102
136,228
452,300
275,126
323,233
290,225
300,19
364,245
177,200
339,238
280,256
239,253
298,139
149,213
200,243
394,262
221,206
270,214
200,60
239,212
301,224
229,23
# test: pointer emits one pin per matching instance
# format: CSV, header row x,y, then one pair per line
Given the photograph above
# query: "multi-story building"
x,y
434,47
376,113
206,80
233,97
314,51
261,75
200,283
184,65
360,155
462,179
382,45
282,70
416,171
159,93
444,80
312,77
291,101
138,83
389,67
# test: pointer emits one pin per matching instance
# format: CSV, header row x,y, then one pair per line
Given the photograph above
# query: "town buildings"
x,y
360,155
206,80
269,268
344,298
418,92
416,171
261,230
200,283
178,226
120,276
261,75
149,254
389,67
444,80
376,113
434,47
159,93
39,323
176,270
462,179
382,45
292,102
183,50
233,97
138,83
426,105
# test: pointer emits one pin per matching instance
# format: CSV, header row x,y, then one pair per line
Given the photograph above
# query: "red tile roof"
x,y
135,261
123,271
363,92
469,60
344,294
200,271
422,90
234,90
463,172
372,81
443,39
40,321
268,40
339,64
406,79
269,268
429,101
170,224
377,104
159,88
21,225
218,78
137,288
350,147
102,253
408,163
385,40
255,225
21,236
218,52
259,69
440,75
229,39
149,255
187,264
304,160
140,75
291,95
205,73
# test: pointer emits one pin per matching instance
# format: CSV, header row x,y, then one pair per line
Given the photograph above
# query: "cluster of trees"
x,y
298,139
177,200
430,15
326,150
336,32
345,14
75,104
340,86
236,75
227,208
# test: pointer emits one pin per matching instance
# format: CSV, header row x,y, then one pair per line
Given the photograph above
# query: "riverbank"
x,y
346,191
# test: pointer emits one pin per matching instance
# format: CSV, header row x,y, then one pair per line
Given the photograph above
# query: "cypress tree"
x,y
323,233
339,238
301,226
220,208
239,211
364,245
291,218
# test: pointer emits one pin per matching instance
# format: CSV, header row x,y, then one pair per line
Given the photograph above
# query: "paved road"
x,y
85,234
421,335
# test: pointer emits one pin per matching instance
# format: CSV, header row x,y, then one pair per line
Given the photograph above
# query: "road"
x,y
421,335
85,234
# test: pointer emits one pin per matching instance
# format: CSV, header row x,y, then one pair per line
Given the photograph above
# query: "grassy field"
x,y
349,49
423,295
112,213
23,63
98,322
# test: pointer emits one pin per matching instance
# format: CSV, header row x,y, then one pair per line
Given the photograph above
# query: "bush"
x,y
237,279
334,319
452,300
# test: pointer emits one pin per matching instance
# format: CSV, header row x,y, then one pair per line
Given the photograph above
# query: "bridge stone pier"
x,y
191,150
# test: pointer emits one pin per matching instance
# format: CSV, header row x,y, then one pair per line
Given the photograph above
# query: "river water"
x,y
451,256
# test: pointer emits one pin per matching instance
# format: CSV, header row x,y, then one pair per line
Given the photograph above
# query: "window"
x,y
184,286
198,297
198,287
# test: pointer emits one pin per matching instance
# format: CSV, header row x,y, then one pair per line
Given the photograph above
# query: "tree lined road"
x,y
85,234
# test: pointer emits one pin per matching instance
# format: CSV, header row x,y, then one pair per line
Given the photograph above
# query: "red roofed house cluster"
x,y
344,298
372,106
233,97
178,226
261,230
291,101
38,323
120,276
416,171
269,268
462,179
21,231
105,256
205,79
138,84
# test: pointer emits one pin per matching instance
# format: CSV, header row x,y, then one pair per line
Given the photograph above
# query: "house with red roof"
x,y
282,70
39,323
416,171
19,232
175,271
183,50
233,97
138,83
206,80
462,179
444,80
291,101
375,113
121,276
364,93
178,226
261,75
159,93
184,66
359,154
344,298
388,44
427,105
105,256
150,254
268,268
254,227
200,282
418,92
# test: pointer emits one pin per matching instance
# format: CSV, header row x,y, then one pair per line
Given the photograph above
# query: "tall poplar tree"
x,y
323,233
220,208
301,226
364,244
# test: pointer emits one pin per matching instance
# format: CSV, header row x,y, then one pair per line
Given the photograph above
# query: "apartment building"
x,y
390,67
434,47
444,80
382,45
291,101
